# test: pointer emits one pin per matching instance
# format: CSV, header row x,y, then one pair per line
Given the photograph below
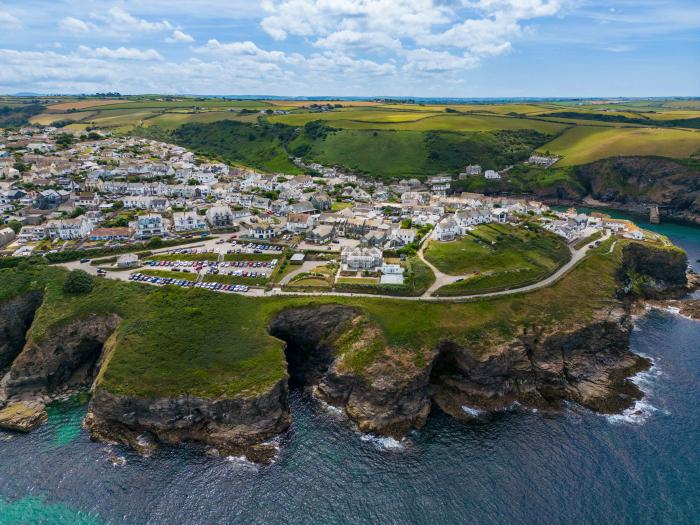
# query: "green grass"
x,y
584,144
497,257
357,280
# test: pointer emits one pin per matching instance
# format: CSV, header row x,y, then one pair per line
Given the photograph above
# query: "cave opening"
x,y
77,368
307,332
14,328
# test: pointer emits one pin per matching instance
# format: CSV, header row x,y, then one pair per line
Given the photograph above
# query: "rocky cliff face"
x,y
235,425
588,363
16,316
67,358
653,273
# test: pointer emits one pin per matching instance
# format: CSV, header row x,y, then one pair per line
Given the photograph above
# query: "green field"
x,y
581,145
496,257
386,140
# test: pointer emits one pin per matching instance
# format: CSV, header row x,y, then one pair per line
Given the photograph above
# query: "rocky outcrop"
x,y
66,358
234,425
649,272
16,316
589,364
22,416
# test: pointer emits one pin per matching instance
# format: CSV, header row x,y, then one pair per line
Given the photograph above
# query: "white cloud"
x,y
76,26
119,19
179,37
121,53
9,21
347,40
426,61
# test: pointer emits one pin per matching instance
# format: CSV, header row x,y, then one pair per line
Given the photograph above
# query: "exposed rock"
x,y
649,272
16,316
233,425
22,416
66,358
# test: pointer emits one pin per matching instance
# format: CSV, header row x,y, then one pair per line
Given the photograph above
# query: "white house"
x,y
361,258
184,221
219,217
150,225
492,175
299,222
67,229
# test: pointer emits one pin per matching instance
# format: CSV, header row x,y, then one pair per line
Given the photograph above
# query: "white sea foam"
x,y
473,412
242,462
384,443
642,409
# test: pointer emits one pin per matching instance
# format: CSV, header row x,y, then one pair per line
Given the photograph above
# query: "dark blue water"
x,y
517,467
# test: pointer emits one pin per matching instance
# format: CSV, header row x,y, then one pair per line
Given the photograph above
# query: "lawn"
x,y
496,257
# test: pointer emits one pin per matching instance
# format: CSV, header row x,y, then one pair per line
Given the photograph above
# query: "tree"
x,y
64,140
155,242
406,224
78,282
77,212
192,182
15,225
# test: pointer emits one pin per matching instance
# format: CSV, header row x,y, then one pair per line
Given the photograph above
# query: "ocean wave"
x,y
384,443
642,410
241,462
473,412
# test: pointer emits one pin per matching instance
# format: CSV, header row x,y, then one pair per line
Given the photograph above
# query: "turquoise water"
x,y
515,467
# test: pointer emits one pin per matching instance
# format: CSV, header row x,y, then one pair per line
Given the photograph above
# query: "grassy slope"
x,y
499,256
584,144
174,341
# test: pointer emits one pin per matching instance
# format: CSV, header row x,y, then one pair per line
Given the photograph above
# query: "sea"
x,y
515,467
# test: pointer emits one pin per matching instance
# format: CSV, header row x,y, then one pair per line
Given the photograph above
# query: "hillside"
x,y
629,183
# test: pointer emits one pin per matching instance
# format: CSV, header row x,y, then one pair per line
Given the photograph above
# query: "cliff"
x,y
588,363
66,359
16,316
653,272
236,425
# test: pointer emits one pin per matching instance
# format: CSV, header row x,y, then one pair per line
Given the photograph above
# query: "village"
x,y
145,210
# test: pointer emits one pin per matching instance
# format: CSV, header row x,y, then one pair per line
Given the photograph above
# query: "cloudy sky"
x,y
462,48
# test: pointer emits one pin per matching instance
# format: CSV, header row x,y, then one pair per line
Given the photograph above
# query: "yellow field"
x,y
172,120
583,144
82,104
46,119
417,121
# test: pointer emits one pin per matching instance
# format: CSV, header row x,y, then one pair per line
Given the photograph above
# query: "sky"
x,y
420,48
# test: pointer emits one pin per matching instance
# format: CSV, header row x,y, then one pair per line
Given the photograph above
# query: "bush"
x,y
155,242
78,282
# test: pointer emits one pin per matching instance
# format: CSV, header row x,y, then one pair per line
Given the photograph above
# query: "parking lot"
x,y
236,288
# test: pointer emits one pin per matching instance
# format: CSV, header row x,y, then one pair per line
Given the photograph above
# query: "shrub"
x,y
78,282
155,242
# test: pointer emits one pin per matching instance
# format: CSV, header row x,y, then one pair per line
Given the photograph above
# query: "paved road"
x,y
576,256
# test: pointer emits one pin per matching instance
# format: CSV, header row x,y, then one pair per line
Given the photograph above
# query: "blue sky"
x,y
456,48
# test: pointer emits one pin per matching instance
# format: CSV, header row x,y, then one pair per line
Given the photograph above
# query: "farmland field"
x,y
580,145
390,139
